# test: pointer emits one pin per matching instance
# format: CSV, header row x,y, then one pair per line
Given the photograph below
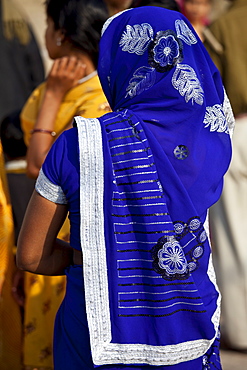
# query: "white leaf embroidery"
x,y
137,38
143,78
229,114
184,33
215,118
219,117
186,82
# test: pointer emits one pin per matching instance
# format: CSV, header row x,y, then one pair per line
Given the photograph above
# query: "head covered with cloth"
x,y
166,148
147,173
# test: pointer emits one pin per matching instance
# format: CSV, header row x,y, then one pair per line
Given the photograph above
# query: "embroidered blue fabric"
x,y
161,85
166,147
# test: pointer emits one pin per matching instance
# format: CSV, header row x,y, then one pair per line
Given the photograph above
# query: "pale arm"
x,y
64,75
38,250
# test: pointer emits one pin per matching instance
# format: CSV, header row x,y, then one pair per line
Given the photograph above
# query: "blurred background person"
x,y
71,88
20,63
22,70
20,186
168,4
198,13
228,218
115,6
10,314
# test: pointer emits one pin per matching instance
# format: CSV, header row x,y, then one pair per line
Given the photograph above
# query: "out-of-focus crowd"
x,y
35,109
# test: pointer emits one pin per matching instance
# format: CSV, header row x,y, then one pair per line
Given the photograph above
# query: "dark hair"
x,y
81,21
12,136
168,4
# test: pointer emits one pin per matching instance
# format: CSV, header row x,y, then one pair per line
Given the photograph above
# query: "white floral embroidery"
x,y
198,252
219,117
229,114
143,79
194,224
184,33
166,50
215,119
186,82
172,258
192,266
135,39
203,236
179,228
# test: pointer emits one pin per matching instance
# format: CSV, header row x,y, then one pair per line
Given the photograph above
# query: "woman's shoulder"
x,y
68,139
62,157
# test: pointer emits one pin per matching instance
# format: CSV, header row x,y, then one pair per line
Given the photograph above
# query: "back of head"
x,y
146,52
81,22
152,65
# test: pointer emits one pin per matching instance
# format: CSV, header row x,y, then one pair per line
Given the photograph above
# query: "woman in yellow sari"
x,y
72,88
10,314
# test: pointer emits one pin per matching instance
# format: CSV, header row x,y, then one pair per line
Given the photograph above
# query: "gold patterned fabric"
x,y
10,316
44,294
43,298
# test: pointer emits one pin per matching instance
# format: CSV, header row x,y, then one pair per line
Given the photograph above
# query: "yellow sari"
x,y
44,294
86,99
10,316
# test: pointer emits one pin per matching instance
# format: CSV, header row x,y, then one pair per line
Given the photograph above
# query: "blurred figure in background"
x,y
197,12
71,88
168,4
10,315
22,70
115,6
20,186
20,63
229,217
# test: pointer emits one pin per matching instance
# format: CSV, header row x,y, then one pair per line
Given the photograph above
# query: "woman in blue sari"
x,y
137,183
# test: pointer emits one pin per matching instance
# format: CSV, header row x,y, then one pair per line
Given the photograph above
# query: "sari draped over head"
x,y
151,295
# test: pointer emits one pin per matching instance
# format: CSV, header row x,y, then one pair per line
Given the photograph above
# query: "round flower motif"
x,y
179,228
203,236
198,252
172,259
192,266
165,51
181,152
194,224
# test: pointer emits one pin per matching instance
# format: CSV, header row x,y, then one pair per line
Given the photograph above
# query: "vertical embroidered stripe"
x,y
92,232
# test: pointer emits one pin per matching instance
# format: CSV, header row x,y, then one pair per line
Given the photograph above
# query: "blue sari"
x,y
143,178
